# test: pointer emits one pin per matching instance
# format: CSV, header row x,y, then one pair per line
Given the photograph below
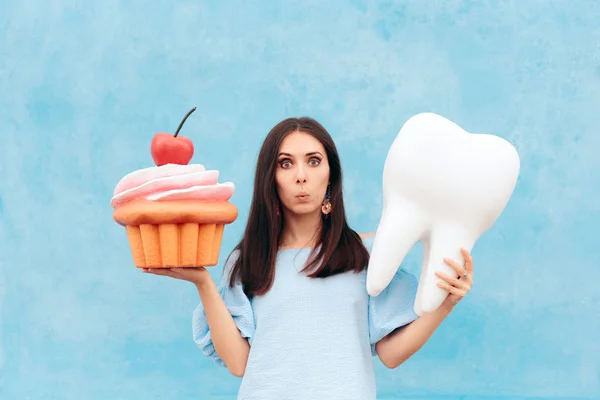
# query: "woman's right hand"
x,y
195,275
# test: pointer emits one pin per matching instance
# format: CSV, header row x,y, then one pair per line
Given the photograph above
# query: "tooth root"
x,y
399,229
444,241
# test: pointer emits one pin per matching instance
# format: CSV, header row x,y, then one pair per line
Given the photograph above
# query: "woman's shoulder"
x,y
367,239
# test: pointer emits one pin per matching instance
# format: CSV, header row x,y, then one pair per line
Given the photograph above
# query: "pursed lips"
x,y
302,196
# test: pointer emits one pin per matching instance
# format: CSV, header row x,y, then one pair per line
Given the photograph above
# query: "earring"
x,y
326,207
277,210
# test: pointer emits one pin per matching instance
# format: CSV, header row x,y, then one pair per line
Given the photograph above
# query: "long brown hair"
x,y
341,248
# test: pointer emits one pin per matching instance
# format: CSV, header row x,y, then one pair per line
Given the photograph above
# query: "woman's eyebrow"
x,y
312,153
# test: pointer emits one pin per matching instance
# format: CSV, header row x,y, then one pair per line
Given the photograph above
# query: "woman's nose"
x,y
301,176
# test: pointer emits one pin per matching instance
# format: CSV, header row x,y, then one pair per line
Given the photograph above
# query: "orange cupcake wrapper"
x,y
175,245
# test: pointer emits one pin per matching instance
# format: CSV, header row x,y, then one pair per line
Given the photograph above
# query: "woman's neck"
x,y
301,230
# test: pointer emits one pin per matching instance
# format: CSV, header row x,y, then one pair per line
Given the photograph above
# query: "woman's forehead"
x,y
300,143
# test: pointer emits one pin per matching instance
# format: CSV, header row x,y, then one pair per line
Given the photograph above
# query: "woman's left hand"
x,y
457,287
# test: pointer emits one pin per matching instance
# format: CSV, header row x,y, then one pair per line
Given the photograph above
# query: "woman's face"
x,y
302,173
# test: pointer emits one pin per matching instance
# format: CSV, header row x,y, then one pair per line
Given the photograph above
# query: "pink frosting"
x,y
172,182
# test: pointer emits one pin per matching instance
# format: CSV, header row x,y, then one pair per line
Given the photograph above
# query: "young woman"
x,y
292,315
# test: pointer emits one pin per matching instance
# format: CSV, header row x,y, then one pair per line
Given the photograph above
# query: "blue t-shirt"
x,y
311,338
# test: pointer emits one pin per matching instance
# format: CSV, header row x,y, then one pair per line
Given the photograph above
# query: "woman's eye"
x,y
285,163
314,161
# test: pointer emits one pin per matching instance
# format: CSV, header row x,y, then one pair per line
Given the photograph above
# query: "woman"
x,y
292,315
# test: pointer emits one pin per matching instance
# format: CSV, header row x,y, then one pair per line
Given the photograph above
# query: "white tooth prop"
x,y
444,187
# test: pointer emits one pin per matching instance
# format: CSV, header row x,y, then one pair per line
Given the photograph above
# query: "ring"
x,y
465,276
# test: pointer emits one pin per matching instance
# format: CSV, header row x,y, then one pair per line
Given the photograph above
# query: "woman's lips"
x,y
302,196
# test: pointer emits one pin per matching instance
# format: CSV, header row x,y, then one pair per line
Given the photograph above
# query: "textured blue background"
x,y
85,85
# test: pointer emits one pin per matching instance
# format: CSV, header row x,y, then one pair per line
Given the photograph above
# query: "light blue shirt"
x,y
311,338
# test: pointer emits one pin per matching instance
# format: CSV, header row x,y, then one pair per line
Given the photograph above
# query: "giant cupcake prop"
x,y
174,213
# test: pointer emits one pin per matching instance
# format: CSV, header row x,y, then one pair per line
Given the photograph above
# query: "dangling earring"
x,y
277,210
326,207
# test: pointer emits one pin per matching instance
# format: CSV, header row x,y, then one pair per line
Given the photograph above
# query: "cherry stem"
x,y
183,121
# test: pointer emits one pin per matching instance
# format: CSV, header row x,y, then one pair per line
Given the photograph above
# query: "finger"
x,y
160,271
468,260
461,283
184,273
468,279
180,270
451,289
460,270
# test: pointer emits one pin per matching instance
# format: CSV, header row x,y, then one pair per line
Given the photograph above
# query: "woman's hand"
x,y
457,287
196,275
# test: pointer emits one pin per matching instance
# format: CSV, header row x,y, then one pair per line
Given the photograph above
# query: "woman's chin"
x,y
305,210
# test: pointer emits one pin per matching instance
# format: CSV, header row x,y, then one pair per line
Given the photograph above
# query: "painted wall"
x,y
85,85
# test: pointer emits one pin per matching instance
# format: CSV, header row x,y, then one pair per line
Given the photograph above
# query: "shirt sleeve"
x,y
393,307
239,307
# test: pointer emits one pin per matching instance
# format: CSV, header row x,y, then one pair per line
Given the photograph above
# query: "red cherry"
x,y
172,149
167,149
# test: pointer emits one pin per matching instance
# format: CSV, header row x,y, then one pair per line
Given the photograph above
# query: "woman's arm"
x,y
229,343
402,343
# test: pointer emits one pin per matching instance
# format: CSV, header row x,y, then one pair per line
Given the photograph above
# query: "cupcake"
x,y
174,214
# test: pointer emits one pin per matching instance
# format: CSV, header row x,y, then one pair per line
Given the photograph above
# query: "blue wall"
x,y
84,86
